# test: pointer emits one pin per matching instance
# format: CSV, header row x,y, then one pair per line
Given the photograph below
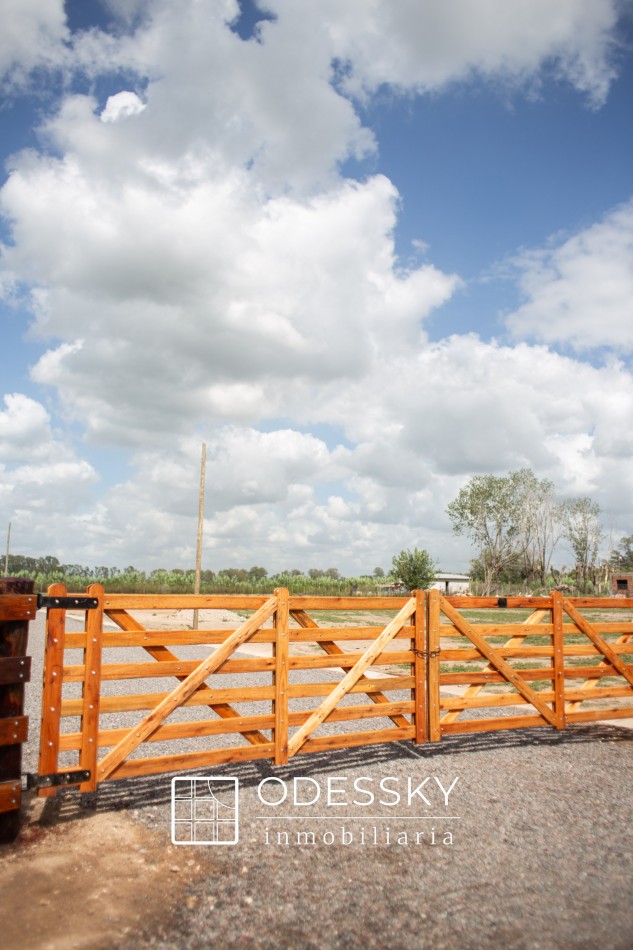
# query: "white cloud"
x,y
42,481
424,46
122,106
32,36
580,291
205,301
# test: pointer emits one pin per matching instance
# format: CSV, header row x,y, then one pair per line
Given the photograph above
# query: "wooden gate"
x,y
258,681
551,664
119,687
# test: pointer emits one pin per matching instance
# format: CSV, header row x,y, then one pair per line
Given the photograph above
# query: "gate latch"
x,y
66,603
72,777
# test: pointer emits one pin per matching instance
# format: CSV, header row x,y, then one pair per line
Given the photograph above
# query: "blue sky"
x,y
364,251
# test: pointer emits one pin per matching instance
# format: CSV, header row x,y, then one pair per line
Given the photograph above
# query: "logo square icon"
x,y
204,810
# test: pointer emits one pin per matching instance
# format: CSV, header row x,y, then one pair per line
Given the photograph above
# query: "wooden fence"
x,y
303,674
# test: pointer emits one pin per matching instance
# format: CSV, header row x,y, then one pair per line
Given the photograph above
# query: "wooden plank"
x,y
585,627
280,676
461,602
14,730
492,725
245,694
52,690
185,601
184,690
332,649
128,703
529,652
91,690
14,670
484,677
18,607
179,669
351,678
433,665
558,659
308,602
147,637
132,768
418,695
163,655
10,793
497,661
354,739
594,715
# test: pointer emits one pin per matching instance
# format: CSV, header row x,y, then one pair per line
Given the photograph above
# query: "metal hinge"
x,y
66,603
72,777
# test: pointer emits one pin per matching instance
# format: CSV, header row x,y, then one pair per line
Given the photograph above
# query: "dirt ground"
x,y
87,882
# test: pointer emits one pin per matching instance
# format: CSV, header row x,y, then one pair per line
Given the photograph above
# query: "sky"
x,y
363,250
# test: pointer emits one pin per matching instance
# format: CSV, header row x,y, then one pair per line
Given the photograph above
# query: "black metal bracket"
x,y
502,601
66,603
56,779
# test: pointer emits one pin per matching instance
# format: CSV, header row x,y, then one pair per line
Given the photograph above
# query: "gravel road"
x,y
517,839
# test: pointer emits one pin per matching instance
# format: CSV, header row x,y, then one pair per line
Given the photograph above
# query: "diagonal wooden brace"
x,y
333,649
183,691
585,627
225,711
368,657
534,619
498,662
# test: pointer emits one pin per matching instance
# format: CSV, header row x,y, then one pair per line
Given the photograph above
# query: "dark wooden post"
x,y
18,605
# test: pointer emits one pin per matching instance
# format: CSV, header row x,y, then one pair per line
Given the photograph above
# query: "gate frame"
x,y
421,612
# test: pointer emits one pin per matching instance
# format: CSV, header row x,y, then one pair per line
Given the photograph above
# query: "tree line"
x,y
231,580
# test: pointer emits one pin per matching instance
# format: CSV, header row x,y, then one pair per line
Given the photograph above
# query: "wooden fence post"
x,y
18,605
280,676
91,690
52,681
433,665
558,660
420,669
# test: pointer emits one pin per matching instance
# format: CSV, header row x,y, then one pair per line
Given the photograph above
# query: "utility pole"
x,y
6,557
196,583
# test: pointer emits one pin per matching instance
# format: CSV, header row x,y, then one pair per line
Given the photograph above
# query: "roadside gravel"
x,y
540,854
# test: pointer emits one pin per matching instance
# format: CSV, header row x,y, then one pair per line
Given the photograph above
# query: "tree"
x,y
541,523
583,531
414,569
257,573
622,560
378,572
488,510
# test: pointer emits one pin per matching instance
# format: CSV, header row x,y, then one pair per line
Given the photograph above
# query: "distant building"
x,y
621,584
452,583
446,583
